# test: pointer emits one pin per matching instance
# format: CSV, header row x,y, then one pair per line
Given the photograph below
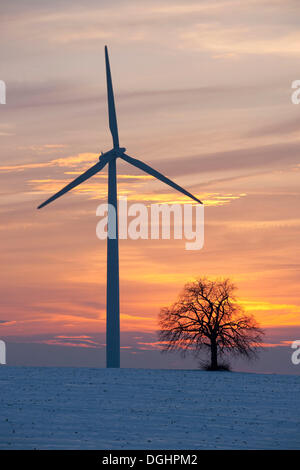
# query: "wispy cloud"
x,y
70,161
235,41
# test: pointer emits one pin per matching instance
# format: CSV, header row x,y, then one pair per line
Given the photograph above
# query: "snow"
x,y
83,408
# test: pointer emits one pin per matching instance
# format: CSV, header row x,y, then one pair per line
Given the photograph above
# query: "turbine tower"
x,y
110,157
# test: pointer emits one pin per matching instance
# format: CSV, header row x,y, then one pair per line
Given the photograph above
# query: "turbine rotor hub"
x,y
113,153
119,151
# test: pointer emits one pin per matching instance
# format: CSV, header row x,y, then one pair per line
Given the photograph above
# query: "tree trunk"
x,y
214,355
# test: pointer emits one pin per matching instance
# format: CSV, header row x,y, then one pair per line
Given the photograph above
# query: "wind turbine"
x,y
110,157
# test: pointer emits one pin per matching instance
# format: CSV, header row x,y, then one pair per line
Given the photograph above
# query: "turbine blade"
x,y
86,175
143,166
111,104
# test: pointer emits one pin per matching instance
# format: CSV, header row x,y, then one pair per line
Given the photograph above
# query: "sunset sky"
x,y
203,94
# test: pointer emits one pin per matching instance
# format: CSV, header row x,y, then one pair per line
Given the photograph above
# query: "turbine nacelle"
x,y
113,153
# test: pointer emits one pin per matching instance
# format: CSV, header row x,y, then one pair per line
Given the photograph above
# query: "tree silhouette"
x,y
207,316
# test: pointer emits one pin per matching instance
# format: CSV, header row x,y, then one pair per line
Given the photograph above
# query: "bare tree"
x,y
206,315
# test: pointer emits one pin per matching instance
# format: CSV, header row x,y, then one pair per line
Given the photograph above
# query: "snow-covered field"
x,y
81,408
